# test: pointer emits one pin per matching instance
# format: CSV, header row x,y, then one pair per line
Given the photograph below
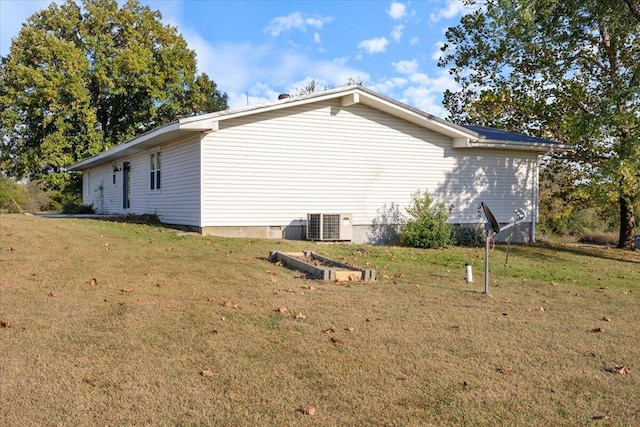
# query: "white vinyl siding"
x,y
274,168
178,201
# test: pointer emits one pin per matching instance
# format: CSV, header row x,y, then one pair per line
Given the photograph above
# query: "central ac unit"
x,y
329,227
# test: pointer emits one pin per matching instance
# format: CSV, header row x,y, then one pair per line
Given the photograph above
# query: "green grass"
x,y
418,346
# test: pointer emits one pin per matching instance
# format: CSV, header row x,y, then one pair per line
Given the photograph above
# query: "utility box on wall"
x,y
329,227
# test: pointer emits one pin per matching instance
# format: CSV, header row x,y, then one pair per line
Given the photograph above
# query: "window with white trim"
x,y
156,166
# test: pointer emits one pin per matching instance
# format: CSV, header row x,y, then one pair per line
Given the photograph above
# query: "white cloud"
x,y
260,72
377,45
406,67
397,11
316,37
295,21
396,33
424,98
388,86
414,41
453,9
437,53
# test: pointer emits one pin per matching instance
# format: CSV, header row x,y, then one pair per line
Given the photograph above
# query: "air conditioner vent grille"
x,y
329,227
313,227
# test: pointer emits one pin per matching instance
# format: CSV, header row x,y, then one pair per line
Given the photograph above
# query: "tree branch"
x,y
634,8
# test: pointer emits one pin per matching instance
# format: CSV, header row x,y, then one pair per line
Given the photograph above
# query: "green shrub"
x,y
469,235
427,226
77,209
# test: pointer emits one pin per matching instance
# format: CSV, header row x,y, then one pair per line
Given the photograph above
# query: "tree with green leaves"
x,y
568,71
83,78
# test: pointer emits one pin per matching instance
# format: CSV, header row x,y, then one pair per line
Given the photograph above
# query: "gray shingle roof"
x,y
494,134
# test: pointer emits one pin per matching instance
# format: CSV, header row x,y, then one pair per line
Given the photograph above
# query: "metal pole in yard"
x,y
486,262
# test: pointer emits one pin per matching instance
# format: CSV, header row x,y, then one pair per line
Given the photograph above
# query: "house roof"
x,y
462,136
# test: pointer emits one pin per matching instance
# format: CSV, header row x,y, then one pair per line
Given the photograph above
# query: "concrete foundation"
x,y
362,234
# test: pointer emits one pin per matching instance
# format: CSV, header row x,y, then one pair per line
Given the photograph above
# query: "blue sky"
x,y
255,50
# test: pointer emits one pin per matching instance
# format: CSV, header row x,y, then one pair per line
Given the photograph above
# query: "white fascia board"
x,y
508,145
350,99
209,125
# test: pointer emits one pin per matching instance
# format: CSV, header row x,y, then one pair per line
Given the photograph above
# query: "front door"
x,y
126,177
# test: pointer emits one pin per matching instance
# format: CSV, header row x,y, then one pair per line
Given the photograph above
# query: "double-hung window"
x,y
156,166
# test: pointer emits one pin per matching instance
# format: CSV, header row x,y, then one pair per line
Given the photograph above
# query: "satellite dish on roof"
x,y
492,219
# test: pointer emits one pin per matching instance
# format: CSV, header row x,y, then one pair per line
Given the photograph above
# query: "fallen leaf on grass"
x,y
11,249
310,410
599,417
228,304
90,381
554,283
504,370
606,319
93,282
595,330
206,373
619,369
301,316
350,329
282,309
53,294
329,330
5,324
336,340
211,299
280,263
541,309
127,289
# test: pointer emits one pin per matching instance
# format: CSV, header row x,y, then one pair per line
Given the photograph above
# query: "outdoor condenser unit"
x,y
329,226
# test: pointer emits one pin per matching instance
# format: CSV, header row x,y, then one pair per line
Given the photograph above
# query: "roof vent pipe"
x,y
284,96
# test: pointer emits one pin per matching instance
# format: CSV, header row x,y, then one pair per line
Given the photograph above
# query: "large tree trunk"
x,y
627,225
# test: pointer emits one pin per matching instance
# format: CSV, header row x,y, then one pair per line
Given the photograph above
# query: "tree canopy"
x,y
83,78
568,71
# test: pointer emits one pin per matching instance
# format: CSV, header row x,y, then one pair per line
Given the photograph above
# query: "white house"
x,y
259,171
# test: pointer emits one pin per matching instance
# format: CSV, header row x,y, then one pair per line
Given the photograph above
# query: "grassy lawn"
x,y
192,330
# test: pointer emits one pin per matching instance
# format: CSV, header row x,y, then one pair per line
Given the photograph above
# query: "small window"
x,y
155,166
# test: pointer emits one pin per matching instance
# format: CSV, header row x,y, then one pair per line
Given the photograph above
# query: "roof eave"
x,y
154,137
509,145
